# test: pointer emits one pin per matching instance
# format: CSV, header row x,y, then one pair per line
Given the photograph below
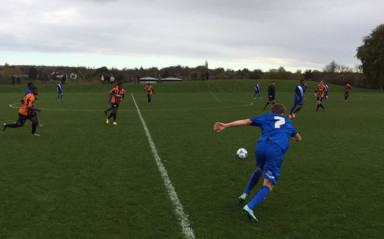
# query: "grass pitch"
x,y
85,179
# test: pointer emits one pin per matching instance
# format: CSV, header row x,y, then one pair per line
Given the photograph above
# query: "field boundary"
x,y
183,218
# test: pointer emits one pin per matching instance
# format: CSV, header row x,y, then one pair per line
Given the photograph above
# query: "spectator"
x,y
112,79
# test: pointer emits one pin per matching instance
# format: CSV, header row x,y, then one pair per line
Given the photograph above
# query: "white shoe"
x,y
249,212
35,134
242,198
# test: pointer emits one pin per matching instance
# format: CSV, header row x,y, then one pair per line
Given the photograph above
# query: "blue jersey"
x,y
257,88
304,87
299,91
60,87
276,128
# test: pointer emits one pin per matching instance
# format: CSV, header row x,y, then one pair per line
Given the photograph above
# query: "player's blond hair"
x,y
278,109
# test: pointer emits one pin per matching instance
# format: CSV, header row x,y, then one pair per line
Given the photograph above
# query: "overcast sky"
x,y
235,34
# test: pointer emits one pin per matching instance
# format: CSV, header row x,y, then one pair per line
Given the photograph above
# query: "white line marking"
x,y
214,96
183,218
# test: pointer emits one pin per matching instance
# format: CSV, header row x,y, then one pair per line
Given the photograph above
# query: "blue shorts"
x,y
257,91
269,157
60,92
298,102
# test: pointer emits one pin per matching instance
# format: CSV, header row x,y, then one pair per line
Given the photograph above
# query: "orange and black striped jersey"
x,y
116,95
149,89
28,101
320,90
347,88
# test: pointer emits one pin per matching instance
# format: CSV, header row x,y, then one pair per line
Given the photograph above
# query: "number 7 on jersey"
x,y
280,121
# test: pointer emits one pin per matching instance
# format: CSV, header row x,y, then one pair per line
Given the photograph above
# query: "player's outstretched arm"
x,y
221,126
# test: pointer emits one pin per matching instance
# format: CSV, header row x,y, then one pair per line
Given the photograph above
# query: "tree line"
x,y
332,73
369,74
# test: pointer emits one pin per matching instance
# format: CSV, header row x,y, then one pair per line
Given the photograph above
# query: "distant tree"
x,y
194,75
165,73
341,69
102,70
281,69
244,73
33,73
6,74
331,67
298,75
308,74
371,55
42,75
279,73
255,74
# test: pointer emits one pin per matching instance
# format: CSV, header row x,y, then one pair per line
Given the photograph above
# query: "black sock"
x,y
110,116
13,126
33,128
266,105
114,117
321,105
318,105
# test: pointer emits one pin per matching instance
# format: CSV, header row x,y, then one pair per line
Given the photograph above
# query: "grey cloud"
x,y
306,31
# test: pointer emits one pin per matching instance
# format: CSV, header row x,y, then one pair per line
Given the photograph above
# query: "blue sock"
x,y
291,111
108,110
297,110
61,96
252,181
37,121
259,197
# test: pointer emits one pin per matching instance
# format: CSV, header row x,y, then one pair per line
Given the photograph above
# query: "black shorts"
x,y
115,106
23,118
320,98
271,98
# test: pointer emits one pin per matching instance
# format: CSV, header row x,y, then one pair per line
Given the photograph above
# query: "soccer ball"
x,y
242,153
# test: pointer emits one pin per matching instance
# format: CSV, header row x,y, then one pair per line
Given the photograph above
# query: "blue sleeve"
x,y
293,132
256,121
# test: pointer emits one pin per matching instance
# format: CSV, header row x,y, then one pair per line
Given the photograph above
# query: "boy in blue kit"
x,y
60,91
270,149
326,92
298,100
257,90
